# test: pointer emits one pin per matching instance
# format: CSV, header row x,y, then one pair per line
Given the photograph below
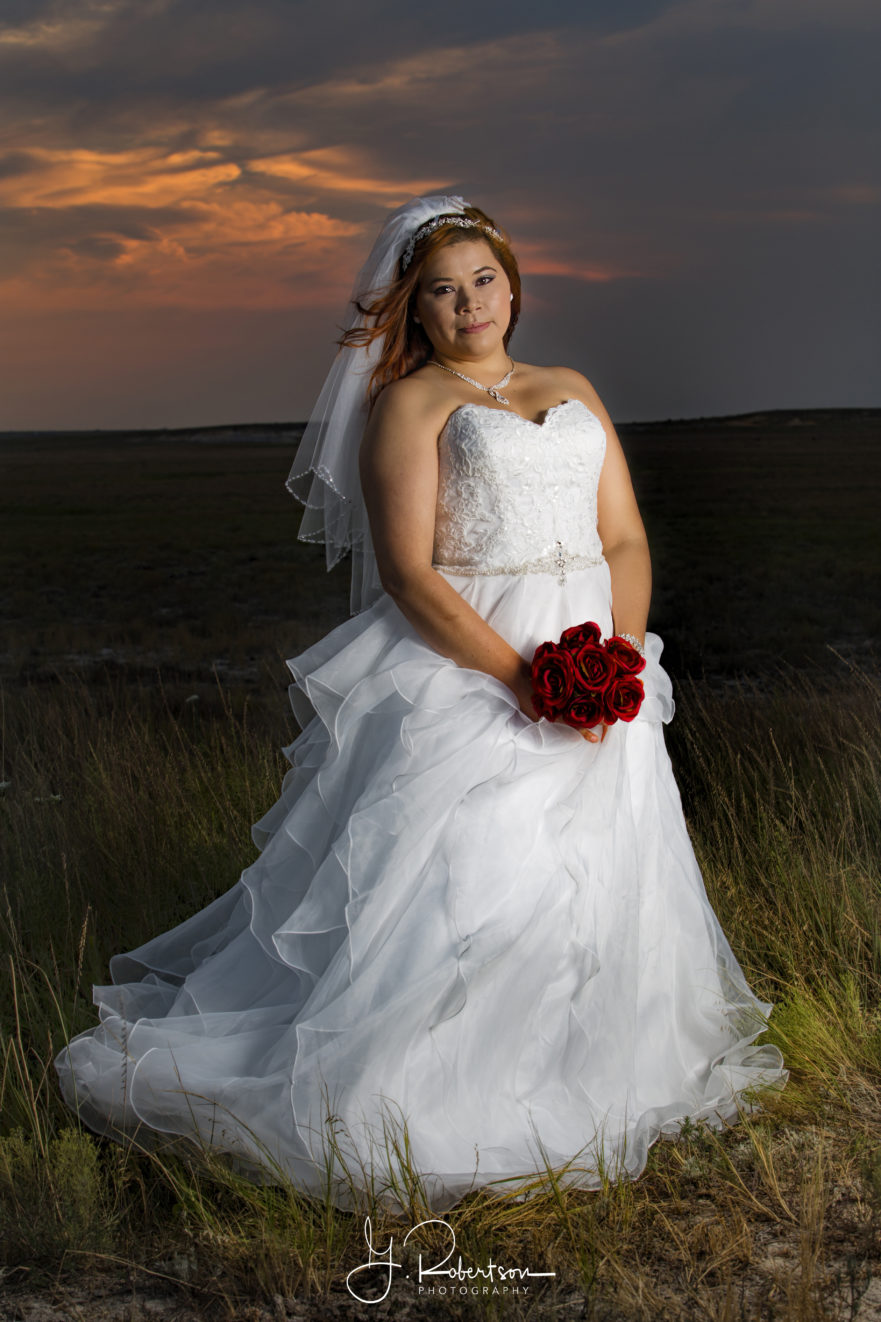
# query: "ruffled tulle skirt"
x,y
471,944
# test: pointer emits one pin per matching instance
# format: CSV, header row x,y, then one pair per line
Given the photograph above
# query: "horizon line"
x,y
23,433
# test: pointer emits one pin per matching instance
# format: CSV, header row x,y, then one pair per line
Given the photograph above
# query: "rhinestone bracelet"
x,y
633,641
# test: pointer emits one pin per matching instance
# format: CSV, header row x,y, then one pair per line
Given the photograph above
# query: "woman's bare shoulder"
x,y
576,383
412,401
558,380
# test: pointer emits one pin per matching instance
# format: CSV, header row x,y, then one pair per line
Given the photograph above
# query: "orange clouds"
x,y
144,176
152,226
239,209
546,259
337,170
534,263
155,227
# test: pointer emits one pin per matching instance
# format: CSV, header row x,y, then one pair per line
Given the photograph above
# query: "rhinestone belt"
x,y
558,562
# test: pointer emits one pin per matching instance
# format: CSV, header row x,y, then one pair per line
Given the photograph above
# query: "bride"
x,y
476,943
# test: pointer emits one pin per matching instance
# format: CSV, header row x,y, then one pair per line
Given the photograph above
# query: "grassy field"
x,y
153,589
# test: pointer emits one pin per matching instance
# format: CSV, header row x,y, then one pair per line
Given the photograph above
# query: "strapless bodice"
x,y
516,496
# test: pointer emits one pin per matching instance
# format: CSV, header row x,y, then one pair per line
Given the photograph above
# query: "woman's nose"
x,y
467,300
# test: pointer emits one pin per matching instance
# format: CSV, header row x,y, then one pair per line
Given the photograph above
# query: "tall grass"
x,y
126,808
782,789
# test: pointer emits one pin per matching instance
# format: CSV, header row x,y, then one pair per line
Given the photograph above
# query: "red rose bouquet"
x,y
582,681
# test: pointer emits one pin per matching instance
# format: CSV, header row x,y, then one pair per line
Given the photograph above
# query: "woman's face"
x,y
464,300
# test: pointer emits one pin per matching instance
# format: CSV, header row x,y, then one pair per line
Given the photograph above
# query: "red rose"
x,y
553,679
623,699
585,709
579,634
625,655
594,667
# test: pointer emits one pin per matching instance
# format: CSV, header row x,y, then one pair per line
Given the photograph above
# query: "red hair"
x,y
406,346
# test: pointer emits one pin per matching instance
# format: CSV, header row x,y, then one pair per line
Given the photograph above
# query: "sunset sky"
x,y
187,188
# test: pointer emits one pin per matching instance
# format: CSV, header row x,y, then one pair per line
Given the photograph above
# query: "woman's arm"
x,y
399,477
620,526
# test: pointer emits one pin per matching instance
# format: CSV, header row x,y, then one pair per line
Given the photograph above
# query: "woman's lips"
x,y
478,326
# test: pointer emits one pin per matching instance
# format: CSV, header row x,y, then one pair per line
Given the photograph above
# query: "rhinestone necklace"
x,y
490,390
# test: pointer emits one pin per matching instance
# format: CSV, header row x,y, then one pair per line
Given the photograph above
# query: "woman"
x,y
473,936
463,302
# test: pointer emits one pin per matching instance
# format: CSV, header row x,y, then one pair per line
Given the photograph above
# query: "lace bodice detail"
x,y
517,496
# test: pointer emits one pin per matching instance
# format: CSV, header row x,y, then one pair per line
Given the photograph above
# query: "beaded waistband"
x,y
558,562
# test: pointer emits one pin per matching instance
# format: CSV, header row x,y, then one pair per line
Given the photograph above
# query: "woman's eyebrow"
x,y
476,271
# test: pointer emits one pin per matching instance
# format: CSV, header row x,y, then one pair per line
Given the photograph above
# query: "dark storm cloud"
x,y
102,248
16,163
203,49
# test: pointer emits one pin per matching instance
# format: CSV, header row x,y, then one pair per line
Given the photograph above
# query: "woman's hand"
x,y
523,690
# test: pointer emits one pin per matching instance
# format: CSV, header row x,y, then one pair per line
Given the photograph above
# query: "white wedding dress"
x,y
481,925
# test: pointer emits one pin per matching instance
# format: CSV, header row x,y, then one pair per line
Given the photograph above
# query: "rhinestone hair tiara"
x,y
463,222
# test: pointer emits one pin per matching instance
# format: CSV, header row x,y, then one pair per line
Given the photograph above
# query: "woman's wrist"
x,y
522,687
634,641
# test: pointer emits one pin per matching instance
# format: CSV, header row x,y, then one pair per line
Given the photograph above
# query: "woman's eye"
x,y
485,279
